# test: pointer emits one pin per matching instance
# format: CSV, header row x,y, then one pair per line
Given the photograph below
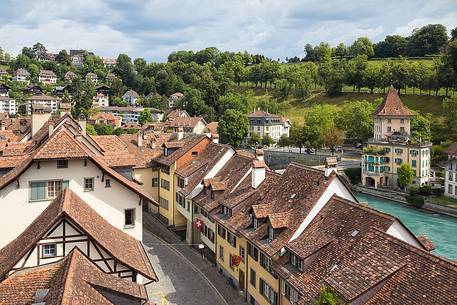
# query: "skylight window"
x,y
354,233
293,196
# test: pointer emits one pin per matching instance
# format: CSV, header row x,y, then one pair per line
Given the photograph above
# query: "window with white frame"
x,y
163,203
221,253
155,182
268,292
296,261
88,184
242,253
49,250
54,188
46,190
165,184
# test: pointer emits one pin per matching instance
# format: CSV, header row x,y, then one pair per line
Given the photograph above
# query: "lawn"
x,y
446,201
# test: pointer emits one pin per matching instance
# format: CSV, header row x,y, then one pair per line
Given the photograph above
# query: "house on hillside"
x,y
110,77
173,99
131,96
46,101
102,118
264,123
47,77
101,98
3,74
7,104
21,75
131,114
392,146
69,76
91,77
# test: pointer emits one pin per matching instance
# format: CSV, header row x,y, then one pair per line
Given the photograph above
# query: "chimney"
x,y
215,138
180,133
331,164
51,128
259,154
64,109
82,123
40,115
139,139
258,173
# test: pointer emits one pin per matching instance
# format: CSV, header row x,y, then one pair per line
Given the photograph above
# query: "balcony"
x,y
373,150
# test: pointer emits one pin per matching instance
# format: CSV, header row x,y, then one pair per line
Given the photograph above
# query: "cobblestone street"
x,y
185,278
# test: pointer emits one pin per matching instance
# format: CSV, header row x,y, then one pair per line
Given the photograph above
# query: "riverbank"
x,y
400,197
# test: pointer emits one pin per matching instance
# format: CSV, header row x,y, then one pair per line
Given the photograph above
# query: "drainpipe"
x,y
247,281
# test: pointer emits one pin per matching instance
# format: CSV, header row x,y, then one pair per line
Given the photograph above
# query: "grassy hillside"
x,y
295,109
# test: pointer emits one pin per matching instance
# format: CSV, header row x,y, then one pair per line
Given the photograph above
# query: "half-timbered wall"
x,y
66,235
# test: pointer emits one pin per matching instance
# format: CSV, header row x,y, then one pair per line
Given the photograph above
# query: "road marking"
x,y
191,264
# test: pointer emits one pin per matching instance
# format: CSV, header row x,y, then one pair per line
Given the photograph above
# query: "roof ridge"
x,y
450,264
363,207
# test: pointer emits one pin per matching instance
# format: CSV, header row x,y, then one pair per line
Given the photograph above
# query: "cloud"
x,y
154,28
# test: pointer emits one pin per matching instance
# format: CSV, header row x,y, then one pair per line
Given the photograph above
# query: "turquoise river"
x,y
441,229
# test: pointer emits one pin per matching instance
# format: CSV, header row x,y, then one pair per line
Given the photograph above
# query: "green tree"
x,y
362,46
145,117
405,175
356,70
267,141
39,51
239,101
328,296
90,130
255,139
332,73
233,127
340,51
284,141
450,116
63,58
333,138
319,121
356,119
427,40
421,128
296,136
391,46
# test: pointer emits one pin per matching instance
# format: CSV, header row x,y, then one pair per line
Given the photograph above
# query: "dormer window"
x,y
271,233
255,223
296,261
226,211
165,151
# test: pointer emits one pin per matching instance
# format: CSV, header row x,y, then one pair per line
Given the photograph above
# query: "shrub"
x,y
413,189
329,296
415,200
425,190
438,191
354,174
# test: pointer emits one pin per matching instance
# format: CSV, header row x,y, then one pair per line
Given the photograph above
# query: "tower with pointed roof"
x,y
392,146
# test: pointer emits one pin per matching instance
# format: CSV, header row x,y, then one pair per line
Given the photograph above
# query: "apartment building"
x,y
46,101
263,124
196,125
131,114
173,99
7,104
47,77
450,171
131,97
102,118
190,179
392,146
177,154
91,77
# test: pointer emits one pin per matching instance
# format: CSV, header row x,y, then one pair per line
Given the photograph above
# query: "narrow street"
x,y
185,278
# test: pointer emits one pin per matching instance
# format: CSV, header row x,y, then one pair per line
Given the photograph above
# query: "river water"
x,y
441,229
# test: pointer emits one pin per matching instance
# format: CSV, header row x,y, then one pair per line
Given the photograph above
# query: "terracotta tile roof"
x,y
11,162
115,152
232,173
262,114
198,168
295,192
73,280
187,143
104,115
212,127
392,105
62,145
126,249
177,113
22,72
189,122
403,274
143,156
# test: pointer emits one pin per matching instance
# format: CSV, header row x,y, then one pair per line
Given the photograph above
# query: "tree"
x,y
255,139
238,101
145,117
450,116
340,51
267,141
328,296
356,119
90,130
355,71
233,127
391,46
332,73
362,46
421,128
319,121
333,138
405,175
427,40
284,141
63,58
39,51
296,136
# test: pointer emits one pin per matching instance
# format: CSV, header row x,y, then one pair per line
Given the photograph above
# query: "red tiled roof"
x,y
392,105
62,145
126,249
73,280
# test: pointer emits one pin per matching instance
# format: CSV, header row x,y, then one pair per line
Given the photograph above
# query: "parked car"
x,y
309,151
359,145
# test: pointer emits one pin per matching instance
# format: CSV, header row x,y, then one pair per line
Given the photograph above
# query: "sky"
x,y
152,29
